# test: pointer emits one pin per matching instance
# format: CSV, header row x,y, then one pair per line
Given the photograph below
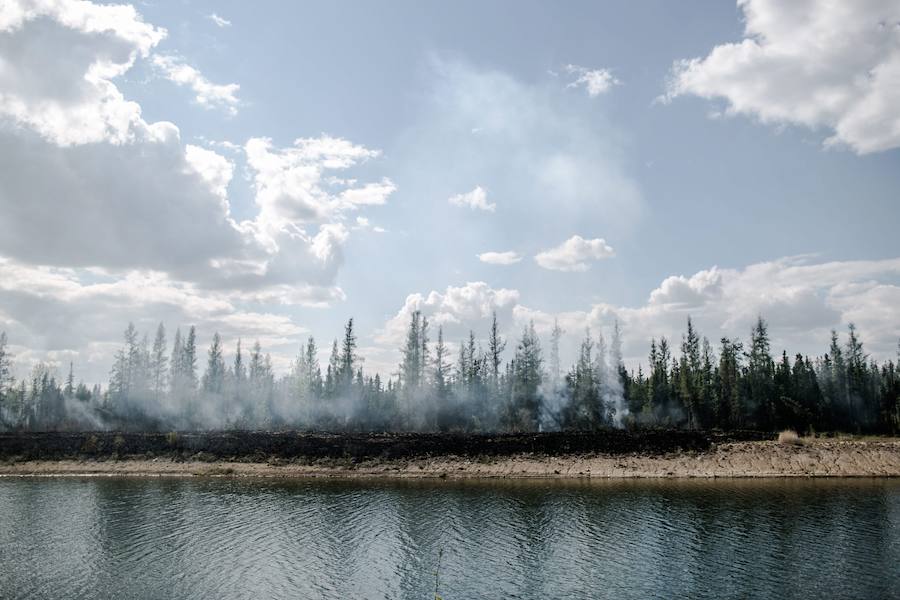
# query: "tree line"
x,y
153,386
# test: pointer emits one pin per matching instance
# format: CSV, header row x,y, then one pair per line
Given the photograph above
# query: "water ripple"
x,y
96,538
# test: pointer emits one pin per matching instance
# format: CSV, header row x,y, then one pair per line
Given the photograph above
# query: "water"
x,y
164,538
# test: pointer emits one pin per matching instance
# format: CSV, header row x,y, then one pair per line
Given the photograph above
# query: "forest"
x,y
695,386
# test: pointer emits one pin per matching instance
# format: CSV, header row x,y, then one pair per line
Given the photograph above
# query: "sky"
x,y
269,171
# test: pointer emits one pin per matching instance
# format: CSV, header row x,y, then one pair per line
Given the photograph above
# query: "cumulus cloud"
x,y
476,200
574,254
594,81
219,21
833,65
57,60
500,258
456,309
208,94
119,192
801,300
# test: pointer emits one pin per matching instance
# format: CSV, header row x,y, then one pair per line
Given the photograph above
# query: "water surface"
x,y
183,538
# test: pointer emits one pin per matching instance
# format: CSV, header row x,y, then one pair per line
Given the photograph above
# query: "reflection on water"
x,y
159,538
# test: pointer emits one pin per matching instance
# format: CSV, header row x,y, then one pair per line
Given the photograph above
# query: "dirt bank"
x,y
818,458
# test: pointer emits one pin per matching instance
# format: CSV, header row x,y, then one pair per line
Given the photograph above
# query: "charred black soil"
x,y
259,446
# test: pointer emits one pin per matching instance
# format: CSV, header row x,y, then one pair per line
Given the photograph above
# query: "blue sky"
x,y
753,180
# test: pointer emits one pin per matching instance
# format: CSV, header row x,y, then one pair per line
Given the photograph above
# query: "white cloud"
x,y
208,94
802,302
363,223
476,200
500,258
151,203
214,168
108,218
219,21
371,194
595,81
834,65
574,254
291,186
456,309
57,60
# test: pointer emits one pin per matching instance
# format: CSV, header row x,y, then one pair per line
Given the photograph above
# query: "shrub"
x,y
789,437
91,444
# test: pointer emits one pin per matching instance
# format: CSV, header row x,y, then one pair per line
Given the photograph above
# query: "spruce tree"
x,y
214,378
527,377
158,364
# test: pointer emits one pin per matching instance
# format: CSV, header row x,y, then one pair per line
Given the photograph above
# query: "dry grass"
x,y
790,438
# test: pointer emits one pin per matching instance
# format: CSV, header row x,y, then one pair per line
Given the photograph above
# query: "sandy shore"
x,y
812,458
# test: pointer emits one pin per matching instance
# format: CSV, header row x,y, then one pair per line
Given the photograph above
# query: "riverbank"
x,y
840,457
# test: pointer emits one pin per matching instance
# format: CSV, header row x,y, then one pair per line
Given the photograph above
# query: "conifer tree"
x,y
496,346
527,377
348,360
214,378
158,364
760,371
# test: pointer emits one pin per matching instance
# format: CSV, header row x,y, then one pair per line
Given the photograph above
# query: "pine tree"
x,y
496,346
333,374
555,368
239,370
314,373
176,367
69,390
411,365
760,371
214,378
190,360
440,367
527,377
857,375
708,399
838,390
158,364
689,374
424,354
258,381
730,412
8,412
348,360
584,411
660,392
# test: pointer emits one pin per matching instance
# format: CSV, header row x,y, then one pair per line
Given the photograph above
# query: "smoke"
x,y
155,390
613,396
554,399
83,415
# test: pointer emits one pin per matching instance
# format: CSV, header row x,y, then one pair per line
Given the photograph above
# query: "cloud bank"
x,y
802,301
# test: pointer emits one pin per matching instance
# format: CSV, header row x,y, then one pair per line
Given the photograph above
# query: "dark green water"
x,y
151,538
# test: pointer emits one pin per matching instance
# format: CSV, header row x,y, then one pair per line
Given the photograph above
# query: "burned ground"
x,y
263,445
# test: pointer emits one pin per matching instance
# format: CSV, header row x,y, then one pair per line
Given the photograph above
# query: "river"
x,y
240,538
